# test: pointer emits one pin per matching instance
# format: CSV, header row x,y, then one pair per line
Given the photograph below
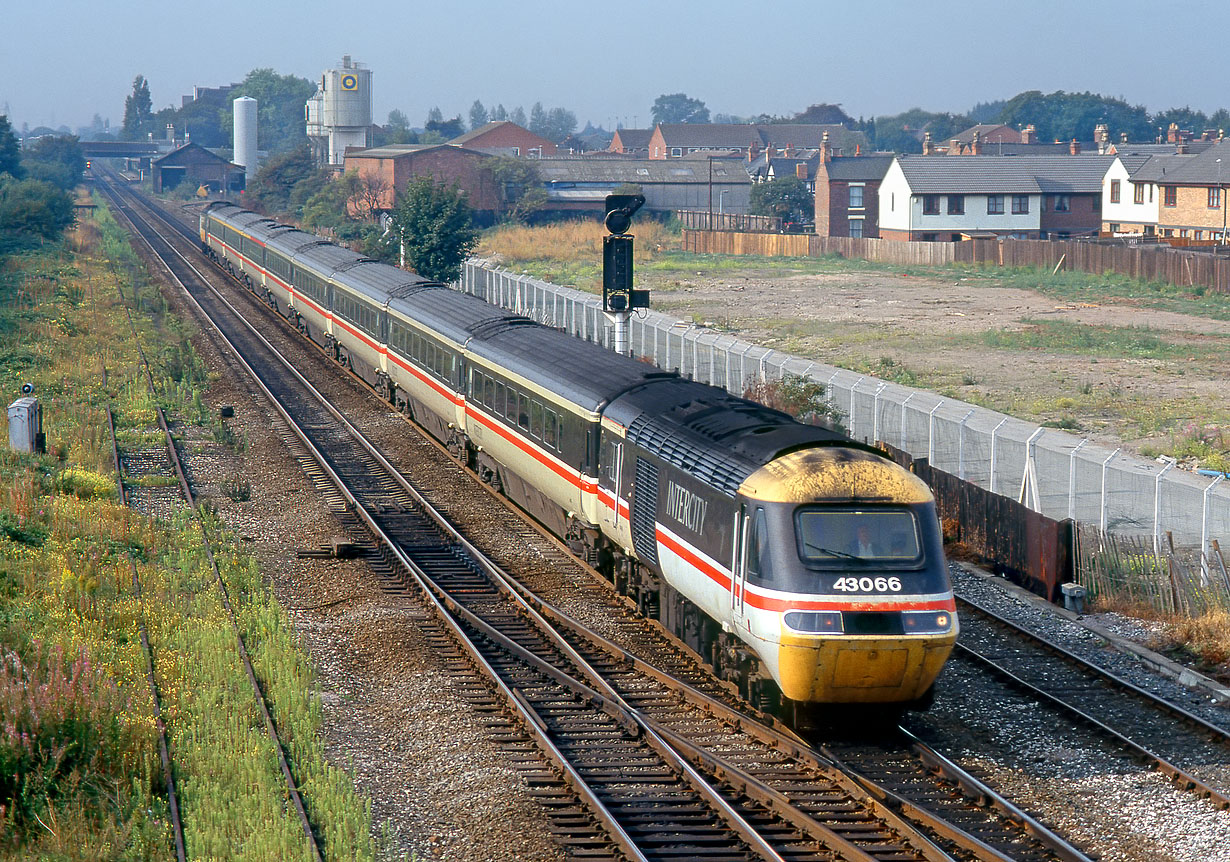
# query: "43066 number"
x,y
868,585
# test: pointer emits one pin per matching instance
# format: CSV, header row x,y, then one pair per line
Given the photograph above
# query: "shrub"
x,y
85,484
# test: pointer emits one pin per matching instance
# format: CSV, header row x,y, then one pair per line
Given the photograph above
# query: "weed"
x,y
799,396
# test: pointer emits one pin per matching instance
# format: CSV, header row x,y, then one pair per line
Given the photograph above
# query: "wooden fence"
x,y
1151,262
1128,569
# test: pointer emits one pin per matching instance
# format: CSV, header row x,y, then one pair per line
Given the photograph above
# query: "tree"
x,y
1064,116
436,227
785,197
1184,118
679,108
31,211
55,160
518,116
138,111
201,119
398,121
366,194
10,154
478,115
270,190
280,102
435,115
903,133
824,114
520,185
446,129
538,120
498,114
560,124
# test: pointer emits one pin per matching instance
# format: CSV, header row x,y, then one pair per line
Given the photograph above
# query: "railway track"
x,y
644,744
1192,751
163,460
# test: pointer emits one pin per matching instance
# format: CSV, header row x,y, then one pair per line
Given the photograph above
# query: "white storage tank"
x,y
26,426
245,134
339,114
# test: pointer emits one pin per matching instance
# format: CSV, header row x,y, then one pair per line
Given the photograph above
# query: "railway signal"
x,y
618,296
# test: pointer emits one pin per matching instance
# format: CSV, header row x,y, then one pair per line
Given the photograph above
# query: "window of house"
x,y
1198,234
856,197
856,228
995,204
1114,227
1020,204
676,151
1063,203
1168,196
1097,203
928,237
1138,193
931,204
956,204
1215,198
1150,192
1114,191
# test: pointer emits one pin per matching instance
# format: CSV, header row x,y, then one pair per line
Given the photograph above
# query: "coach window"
x,y
535,420
550,433
488,391
523,412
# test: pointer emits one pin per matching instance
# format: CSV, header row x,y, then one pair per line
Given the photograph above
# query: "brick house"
x,y
580,184
1192,195
1024,197
848,194
395,165
507,139
631,142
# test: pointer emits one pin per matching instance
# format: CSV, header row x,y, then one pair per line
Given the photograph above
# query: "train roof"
x,y
582,372
708,433
327,258
447,312
290,241
393,281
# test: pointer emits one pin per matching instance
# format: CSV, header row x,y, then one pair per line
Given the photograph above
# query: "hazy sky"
x,y
61,61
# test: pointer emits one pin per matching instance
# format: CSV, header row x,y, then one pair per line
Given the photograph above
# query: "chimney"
x,y
928,147
171,132
976,148
800,170
1180,146
1074,147
825,153
770,152
789,151
345,61
1172,134
1029,134
1123,137
954,147
1208,135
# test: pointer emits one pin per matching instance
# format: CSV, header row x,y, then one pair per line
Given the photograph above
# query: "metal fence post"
x,y
1204,527
1157,510
875,414
961,444
931,433
1072,478
1029,476
1105,467
994,436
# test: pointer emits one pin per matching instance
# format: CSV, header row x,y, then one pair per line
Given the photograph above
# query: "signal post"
x,y
619,298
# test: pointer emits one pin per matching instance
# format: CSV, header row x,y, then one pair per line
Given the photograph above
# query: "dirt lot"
x,y
1147,376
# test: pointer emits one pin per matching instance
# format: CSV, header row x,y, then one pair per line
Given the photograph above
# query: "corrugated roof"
x,y
1006,174
582,170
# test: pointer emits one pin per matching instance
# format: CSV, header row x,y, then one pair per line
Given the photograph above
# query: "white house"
x,y
1131,192
943,198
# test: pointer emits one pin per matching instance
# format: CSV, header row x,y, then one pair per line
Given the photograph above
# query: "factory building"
x,y
339,113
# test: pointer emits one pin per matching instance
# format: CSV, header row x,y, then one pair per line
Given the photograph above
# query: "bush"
x,y
85,484
61,733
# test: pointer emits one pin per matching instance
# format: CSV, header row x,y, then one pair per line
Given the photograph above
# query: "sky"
x,y
62,61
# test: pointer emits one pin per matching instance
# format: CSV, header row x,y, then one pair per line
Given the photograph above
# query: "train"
x,y
805,568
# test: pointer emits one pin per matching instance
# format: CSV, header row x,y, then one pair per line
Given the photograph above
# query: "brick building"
x,y
848,194
506,139
1192,196
392,167
195,164
631,142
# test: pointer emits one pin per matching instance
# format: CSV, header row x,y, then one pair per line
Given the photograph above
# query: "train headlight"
x,y
814,621
926,622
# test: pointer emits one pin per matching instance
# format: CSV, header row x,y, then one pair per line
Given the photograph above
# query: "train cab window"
x,y
759,565
535,420
834,537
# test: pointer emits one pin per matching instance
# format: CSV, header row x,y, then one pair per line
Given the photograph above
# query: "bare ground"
x,y
928,332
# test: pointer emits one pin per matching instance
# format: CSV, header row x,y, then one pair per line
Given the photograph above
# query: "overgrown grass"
x,y
1104,342
79,774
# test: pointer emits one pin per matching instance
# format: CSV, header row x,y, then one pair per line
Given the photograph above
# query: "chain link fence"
x,y
1053,472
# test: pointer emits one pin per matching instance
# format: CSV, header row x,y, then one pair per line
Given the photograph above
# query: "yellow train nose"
x,y
860,669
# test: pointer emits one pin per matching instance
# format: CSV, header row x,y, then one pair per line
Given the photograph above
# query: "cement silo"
x,y
245,134
339,114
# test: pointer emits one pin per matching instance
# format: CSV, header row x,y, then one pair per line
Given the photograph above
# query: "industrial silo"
x,y
245,134
339,114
